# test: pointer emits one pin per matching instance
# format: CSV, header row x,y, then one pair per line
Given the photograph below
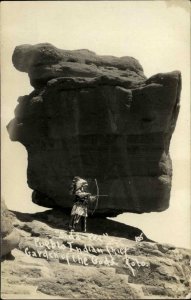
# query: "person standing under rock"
x,y
80,208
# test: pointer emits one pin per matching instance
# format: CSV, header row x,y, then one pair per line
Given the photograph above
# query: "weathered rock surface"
x,y
53,264
9,237
96,117
44,62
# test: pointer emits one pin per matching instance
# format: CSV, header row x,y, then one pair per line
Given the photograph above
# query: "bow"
x,y
97,196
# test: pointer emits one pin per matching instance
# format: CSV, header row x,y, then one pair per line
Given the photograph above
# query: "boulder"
x,y
97,117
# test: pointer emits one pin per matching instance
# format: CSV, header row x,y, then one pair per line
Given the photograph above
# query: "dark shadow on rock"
x,y
113,228
58,219
8,256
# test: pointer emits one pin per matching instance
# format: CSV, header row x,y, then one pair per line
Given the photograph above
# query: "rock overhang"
x,y
96,117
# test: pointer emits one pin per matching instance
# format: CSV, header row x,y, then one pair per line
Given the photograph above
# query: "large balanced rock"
x,y
96,117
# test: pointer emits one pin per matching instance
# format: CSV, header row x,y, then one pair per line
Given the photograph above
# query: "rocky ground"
x,y
50,263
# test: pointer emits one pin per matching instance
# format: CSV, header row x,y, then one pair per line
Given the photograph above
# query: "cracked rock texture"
x,y
96,117
41,270
9,236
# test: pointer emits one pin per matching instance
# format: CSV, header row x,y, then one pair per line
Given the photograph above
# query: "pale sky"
x,y
157,33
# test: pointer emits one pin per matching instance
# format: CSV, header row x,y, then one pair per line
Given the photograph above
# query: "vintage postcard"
x,y
95,149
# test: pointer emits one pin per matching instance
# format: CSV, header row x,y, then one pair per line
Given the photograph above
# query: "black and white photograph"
x,y
95,150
